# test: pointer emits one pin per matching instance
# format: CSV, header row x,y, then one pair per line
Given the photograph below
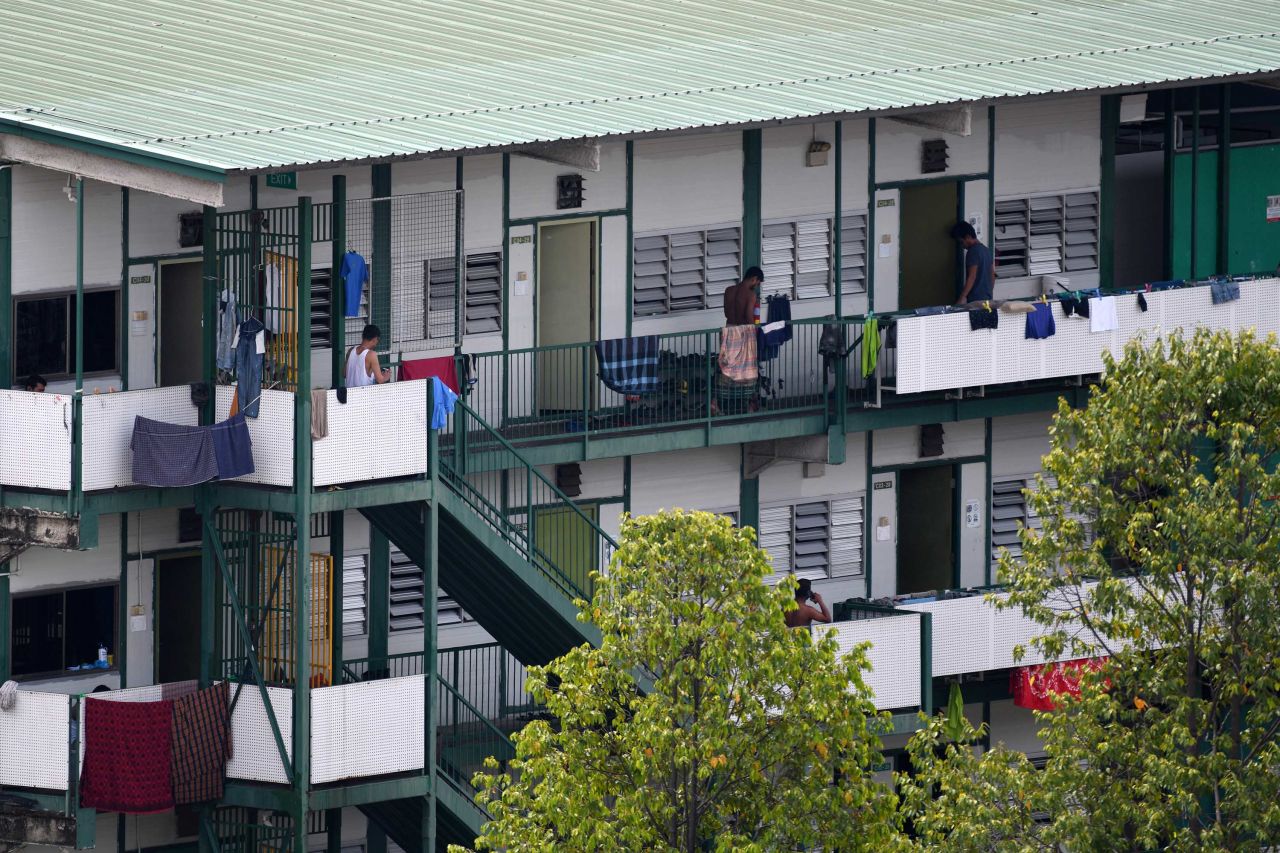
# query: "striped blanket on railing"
x,y
629,365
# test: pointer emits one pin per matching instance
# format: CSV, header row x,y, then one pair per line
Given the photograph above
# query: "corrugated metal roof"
x,y
236,84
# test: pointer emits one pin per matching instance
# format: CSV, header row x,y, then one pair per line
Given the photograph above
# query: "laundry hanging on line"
x,y
443,401
1040,323
1102,314
201,741
354,272
1224,291
445,367
870,346
629,365
127,756
175,455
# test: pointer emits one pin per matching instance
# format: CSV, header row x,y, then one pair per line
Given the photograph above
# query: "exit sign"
x,y
283,180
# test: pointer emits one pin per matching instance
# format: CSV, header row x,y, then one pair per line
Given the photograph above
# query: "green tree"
x,y
1160,548
747,736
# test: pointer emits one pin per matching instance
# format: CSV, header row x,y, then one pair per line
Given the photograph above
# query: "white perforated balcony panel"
x,y
108,430
961,634
1075,350
255,756
941,351
894,656
33,742
368,729
379,433
271,433
36,431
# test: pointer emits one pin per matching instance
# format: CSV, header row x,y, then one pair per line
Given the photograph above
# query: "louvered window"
x,y
321,299
407,594
815,539
684,270
1010,512
484,293
1046,234
798,261
483,296
355,595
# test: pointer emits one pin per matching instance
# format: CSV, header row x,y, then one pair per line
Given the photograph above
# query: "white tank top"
x,y
358,374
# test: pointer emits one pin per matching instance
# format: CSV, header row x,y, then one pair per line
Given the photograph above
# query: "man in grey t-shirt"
x,y
979,269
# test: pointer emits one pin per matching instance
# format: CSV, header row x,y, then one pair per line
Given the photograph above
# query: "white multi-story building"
x,y
534,191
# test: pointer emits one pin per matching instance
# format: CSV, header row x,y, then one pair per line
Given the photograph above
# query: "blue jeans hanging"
x,y
249,366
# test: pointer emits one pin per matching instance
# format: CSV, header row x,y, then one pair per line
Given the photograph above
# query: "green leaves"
x,y
751,736
1161,495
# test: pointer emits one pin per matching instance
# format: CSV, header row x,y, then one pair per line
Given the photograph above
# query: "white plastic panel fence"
x,y
970,635
894,656
35,431
254,754
367,729
941,352
108,429
379,433
271,433
34,739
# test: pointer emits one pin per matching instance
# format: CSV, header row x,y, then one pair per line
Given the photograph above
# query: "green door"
x,y
566,312
568,542
926,526
927,275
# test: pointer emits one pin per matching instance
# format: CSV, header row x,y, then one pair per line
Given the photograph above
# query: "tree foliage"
x,y
1160,548
747,736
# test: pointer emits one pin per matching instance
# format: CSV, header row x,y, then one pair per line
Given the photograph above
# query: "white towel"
x,y
1102,314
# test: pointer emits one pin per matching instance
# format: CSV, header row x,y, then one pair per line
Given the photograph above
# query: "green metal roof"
x,y
235,84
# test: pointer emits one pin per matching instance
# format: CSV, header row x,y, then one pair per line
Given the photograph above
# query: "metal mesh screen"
x,y
409,243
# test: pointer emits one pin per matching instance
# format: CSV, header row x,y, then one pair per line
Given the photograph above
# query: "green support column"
x,y
836,430
1224,179
6,373
124,289
872,239
77,400
380,293
375,840
430,642
337,539
1170,116
337,291
631,240
209,331
748,495
1194,212
459,257
379,597
1107,210
302,520
987,446
6,276
752,179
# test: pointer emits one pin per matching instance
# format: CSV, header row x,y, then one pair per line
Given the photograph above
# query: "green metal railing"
x,y
466,738
557,392
555,535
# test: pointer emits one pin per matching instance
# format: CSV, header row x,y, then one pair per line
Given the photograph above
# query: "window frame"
x,y
68,297
831,572
63,672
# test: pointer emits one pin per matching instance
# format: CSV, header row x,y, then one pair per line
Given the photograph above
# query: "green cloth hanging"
x,y
954,726
870,346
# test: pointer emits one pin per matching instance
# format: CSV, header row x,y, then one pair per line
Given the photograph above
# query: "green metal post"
x,y
430,640
77,401
121,641
987,447
6,376
872,240
209,332
333,830
752,180
337,291
626,484
506,289
1195,178
1107,210
379,596
302,584
124,289
375,840
1224,179
926,663
1170,139
380,289
459,257
6,277
836,431
631,241
748,496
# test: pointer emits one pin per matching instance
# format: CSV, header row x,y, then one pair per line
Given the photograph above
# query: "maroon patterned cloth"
x,y
127,756
201,744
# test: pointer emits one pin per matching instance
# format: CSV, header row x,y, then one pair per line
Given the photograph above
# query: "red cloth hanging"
x,y
424,368
127,756
1035,686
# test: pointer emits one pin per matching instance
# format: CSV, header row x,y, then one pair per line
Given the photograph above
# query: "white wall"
x,y
1015,727
687,181
1018,442
1048,144
533,184
899,148
706,478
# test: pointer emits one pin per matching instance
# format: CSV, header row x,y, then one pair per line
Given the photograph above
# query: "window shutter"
x,y
684,270
796,258
1046,234
406,593
484,293
441,304
1010,512
811,540
774,536
846,537
355,595
778,258
321,300
853,248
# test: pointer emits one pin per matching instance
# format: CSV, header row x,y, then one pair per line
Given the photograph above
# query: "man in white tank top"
x,y
362,361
